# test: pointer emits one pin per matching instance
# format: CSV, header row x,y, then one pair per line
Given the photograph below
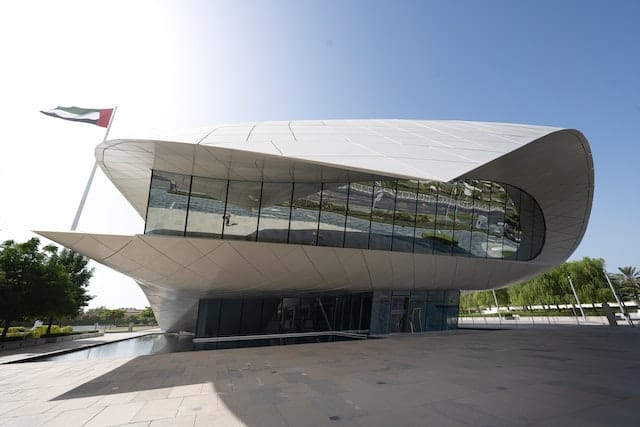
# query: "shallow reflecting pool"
x,y
140,346
172,343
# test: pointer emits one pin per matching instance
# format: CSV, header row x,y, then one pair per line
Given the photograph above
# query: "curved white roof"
x,y
418,149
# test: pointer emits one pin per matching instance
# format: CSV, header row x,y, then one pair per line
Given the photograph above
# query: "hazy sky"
x,y
184,64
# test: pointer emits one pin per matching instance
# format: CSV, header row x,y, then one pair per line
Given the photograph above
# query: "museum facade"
x,y
303,228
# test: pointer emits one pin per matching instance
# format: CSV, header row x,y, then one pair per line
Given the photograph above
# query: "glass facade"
x,y
465,218
224,317
377,313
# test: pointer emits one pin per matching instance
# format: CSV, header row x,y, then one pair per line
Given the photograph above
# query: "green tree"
x,y
629,282
70,300
147,316
113,316
23,277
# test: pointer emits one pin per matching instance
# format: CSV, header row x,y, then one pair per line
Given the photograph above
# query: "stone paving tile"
x,y
75,417
179,421
221,419
158,409
26,420
10,406
185,390
115,414
201,404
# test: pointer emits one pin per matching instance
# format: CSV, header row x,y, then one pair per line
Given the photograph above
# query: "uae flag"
x,y
100,117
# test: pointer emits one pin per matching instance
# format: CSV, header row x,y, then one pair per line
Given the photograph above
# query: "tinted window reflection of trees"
x,y
465,218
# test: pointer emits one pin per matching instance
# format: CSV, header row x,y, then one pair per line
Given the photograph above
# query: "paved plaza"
x,y
544,376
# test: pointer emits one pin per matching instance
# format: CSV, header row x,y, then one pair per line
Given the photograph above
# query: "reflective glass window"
x,y
496,224
443,239
426,217
463,194
305,213
168,200
435,310
358,215
384,197
511,236
206,207
230,317
275,212
251,323
333,213
480,218
417,312
241,215
404,221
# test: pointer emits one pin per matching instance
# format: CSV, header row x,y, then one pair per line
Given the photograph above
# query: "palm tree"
x,y
630,281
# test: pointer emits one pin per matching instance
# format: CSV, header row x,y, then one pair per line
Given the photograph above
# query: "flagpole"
x,y
93,172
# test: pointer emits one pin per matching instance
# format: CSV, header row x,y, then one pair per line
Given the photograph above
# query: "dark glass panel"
x,y
305,213
243,204
417,311
365,319
538,231
524,233
404,221
272,315
275,210
435,310
168,199
251,322
359,215
208,314
426,217
290,315
384,197
206,207
230,317
333,214
399,317
381,305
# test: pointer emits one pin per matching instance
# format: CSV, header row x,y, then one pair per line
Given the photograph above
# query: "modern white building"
x,y
360,225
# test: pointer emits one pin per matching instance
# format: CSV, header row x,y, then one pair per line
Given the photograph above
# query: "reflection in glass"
x,y
426,217
404,218
512,236
496,221
358,215
333,214
443,240
305,213
480,218
275,212
384,197
466,218
168,199
206,207
241,215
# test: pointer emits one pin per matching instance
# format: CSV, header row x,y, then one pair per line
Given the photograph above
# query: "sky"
x,y
173,65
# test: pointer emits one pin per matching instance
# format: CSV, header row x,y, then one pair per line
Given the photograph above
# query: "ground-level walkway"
x,y
554,376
